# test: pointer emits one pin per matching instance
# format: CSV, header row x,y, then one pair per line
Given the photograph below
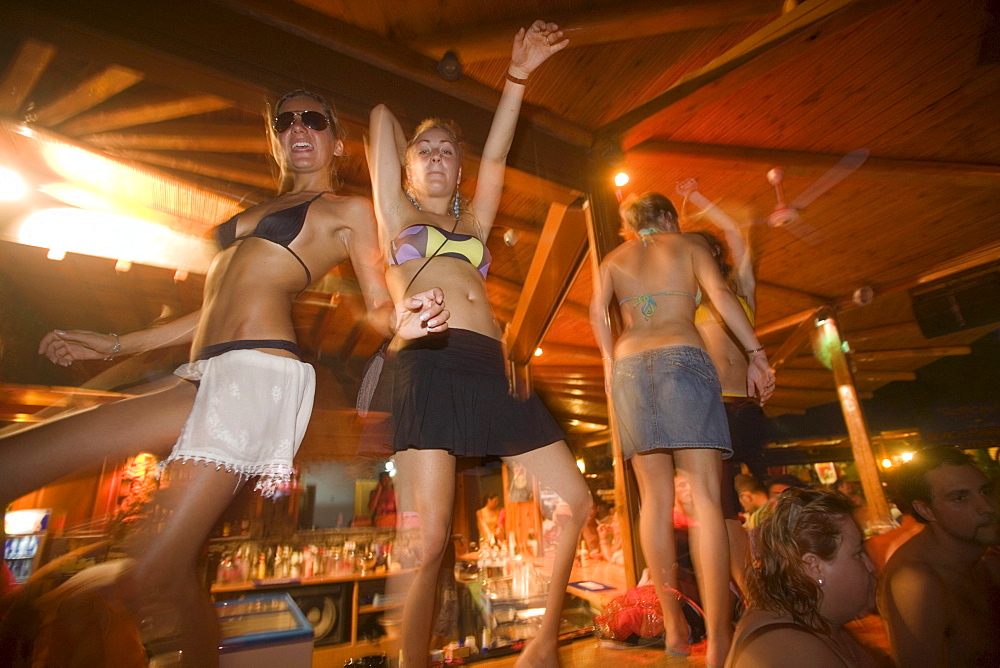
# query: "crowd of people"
x,y
686,378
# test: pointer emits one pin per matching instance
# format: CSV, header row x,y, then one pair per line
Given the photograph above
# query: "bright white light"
x,y
906,456
123,265
12,186
390,466
887,463
538,352
621,178
582,465
56,254
115,237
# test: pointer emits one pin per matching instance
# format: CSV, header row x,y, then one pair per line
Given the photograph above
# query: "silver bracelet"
x,y
117,347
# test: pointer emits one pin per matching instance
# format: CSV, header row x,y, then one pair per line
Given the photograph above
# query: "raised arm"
x,y
63,347
600,320
735,241
532,47
760,377
386,156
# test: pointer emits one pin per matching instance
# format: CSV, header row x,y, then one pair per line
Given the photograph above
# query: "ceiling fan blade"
x,y
837,173
805,233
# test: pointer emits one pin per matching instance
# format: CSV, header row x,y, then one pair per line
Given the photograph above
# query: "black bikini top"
x,y
280,227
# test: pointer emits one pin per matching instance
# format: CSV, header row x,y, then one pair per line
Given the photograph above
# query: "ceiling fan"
x,y
787,214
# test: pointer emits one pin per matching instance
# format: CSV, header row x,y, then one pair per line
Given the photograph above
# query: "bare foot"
x,y
539,653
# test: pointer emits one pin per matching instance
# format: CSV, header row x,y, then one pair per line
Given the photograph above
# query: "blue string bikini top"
x,y
280,227
647,305
419,241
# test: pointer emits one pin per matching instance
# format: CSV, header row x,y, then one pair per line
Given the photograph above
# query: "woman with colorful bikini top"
x,y
449,394
667,398
241,406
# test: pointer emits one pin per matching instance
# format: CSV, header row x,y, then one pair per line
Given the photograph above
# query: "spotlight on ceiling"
x,y
449,68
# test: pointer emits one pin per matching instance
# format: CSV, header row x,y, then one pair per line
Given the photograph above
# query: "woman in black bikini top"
x,y
247,415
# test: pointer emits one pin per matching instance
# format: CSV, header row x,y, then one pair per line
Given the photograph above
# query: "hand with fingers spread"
x,y
533,46
421,314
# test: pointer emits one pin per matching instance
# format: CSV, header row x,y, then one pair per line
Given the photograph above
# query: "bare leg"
x,y
739,551
654,472
427,481
556,469
163,584
709,546
37,456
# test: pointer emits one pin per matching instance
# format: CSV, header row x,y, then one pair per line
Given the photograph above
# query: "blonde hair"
x,y
641,212
284,175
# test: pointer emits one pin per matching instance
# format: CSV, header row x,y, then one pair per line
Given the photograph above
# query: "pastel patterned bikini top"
x,y
423,240
279,227
647,305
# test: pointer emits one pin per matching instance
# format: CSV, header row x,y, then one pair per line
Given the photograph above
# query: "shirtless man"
x,y
940,595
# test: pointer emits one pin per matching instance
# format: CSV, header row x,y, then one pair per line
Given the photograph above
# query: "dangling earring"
x,y
410,196
456,206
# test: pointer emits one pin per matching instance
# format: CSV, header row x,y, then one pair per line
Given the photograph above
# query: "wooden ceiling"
x,y
717,90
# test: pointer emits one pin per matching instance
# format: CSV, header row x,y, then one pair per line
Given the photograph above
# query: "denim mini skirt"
x,y
669,398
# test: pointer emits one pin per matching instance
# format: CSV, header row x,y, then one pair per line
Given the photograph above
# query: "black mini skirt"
x,y
450,392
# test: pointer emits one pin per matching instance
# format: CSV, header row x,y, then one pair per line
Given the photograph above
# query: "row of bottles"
x,y
251,561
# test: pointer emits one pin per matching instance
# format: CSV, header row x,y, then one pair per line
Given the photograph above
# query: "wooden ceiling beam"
x,y
793,344
910,353
143,114
896,329
204,138
608,23
588,352
391,56
87,94
656,153
242,172
778,42
769,291
821,377
557,260
783,323
31,61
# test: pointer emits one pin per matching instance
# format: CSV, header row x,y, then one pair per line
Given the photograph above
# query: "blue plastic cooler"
x,y
263,631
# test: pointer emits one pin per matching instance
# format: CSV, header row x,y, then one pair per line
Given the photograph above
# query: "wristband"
x,y
516,79
116,349
755,350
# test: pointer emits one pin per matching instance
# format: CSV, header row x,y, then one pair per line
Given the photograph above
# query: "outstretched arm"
x,y
760,376
600,321
412,317
63,347
532,47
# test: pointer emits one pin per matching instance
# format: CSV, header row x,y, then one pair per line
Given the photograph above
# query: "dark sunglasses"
x,y
314,120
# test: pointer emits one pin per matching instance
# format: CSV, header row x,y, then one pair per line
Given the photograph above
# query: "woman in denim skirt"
x,y
668,400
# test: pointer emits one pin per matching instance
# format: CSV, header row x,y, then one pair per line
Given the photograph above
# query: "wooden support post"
x,y
601,212
829,350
